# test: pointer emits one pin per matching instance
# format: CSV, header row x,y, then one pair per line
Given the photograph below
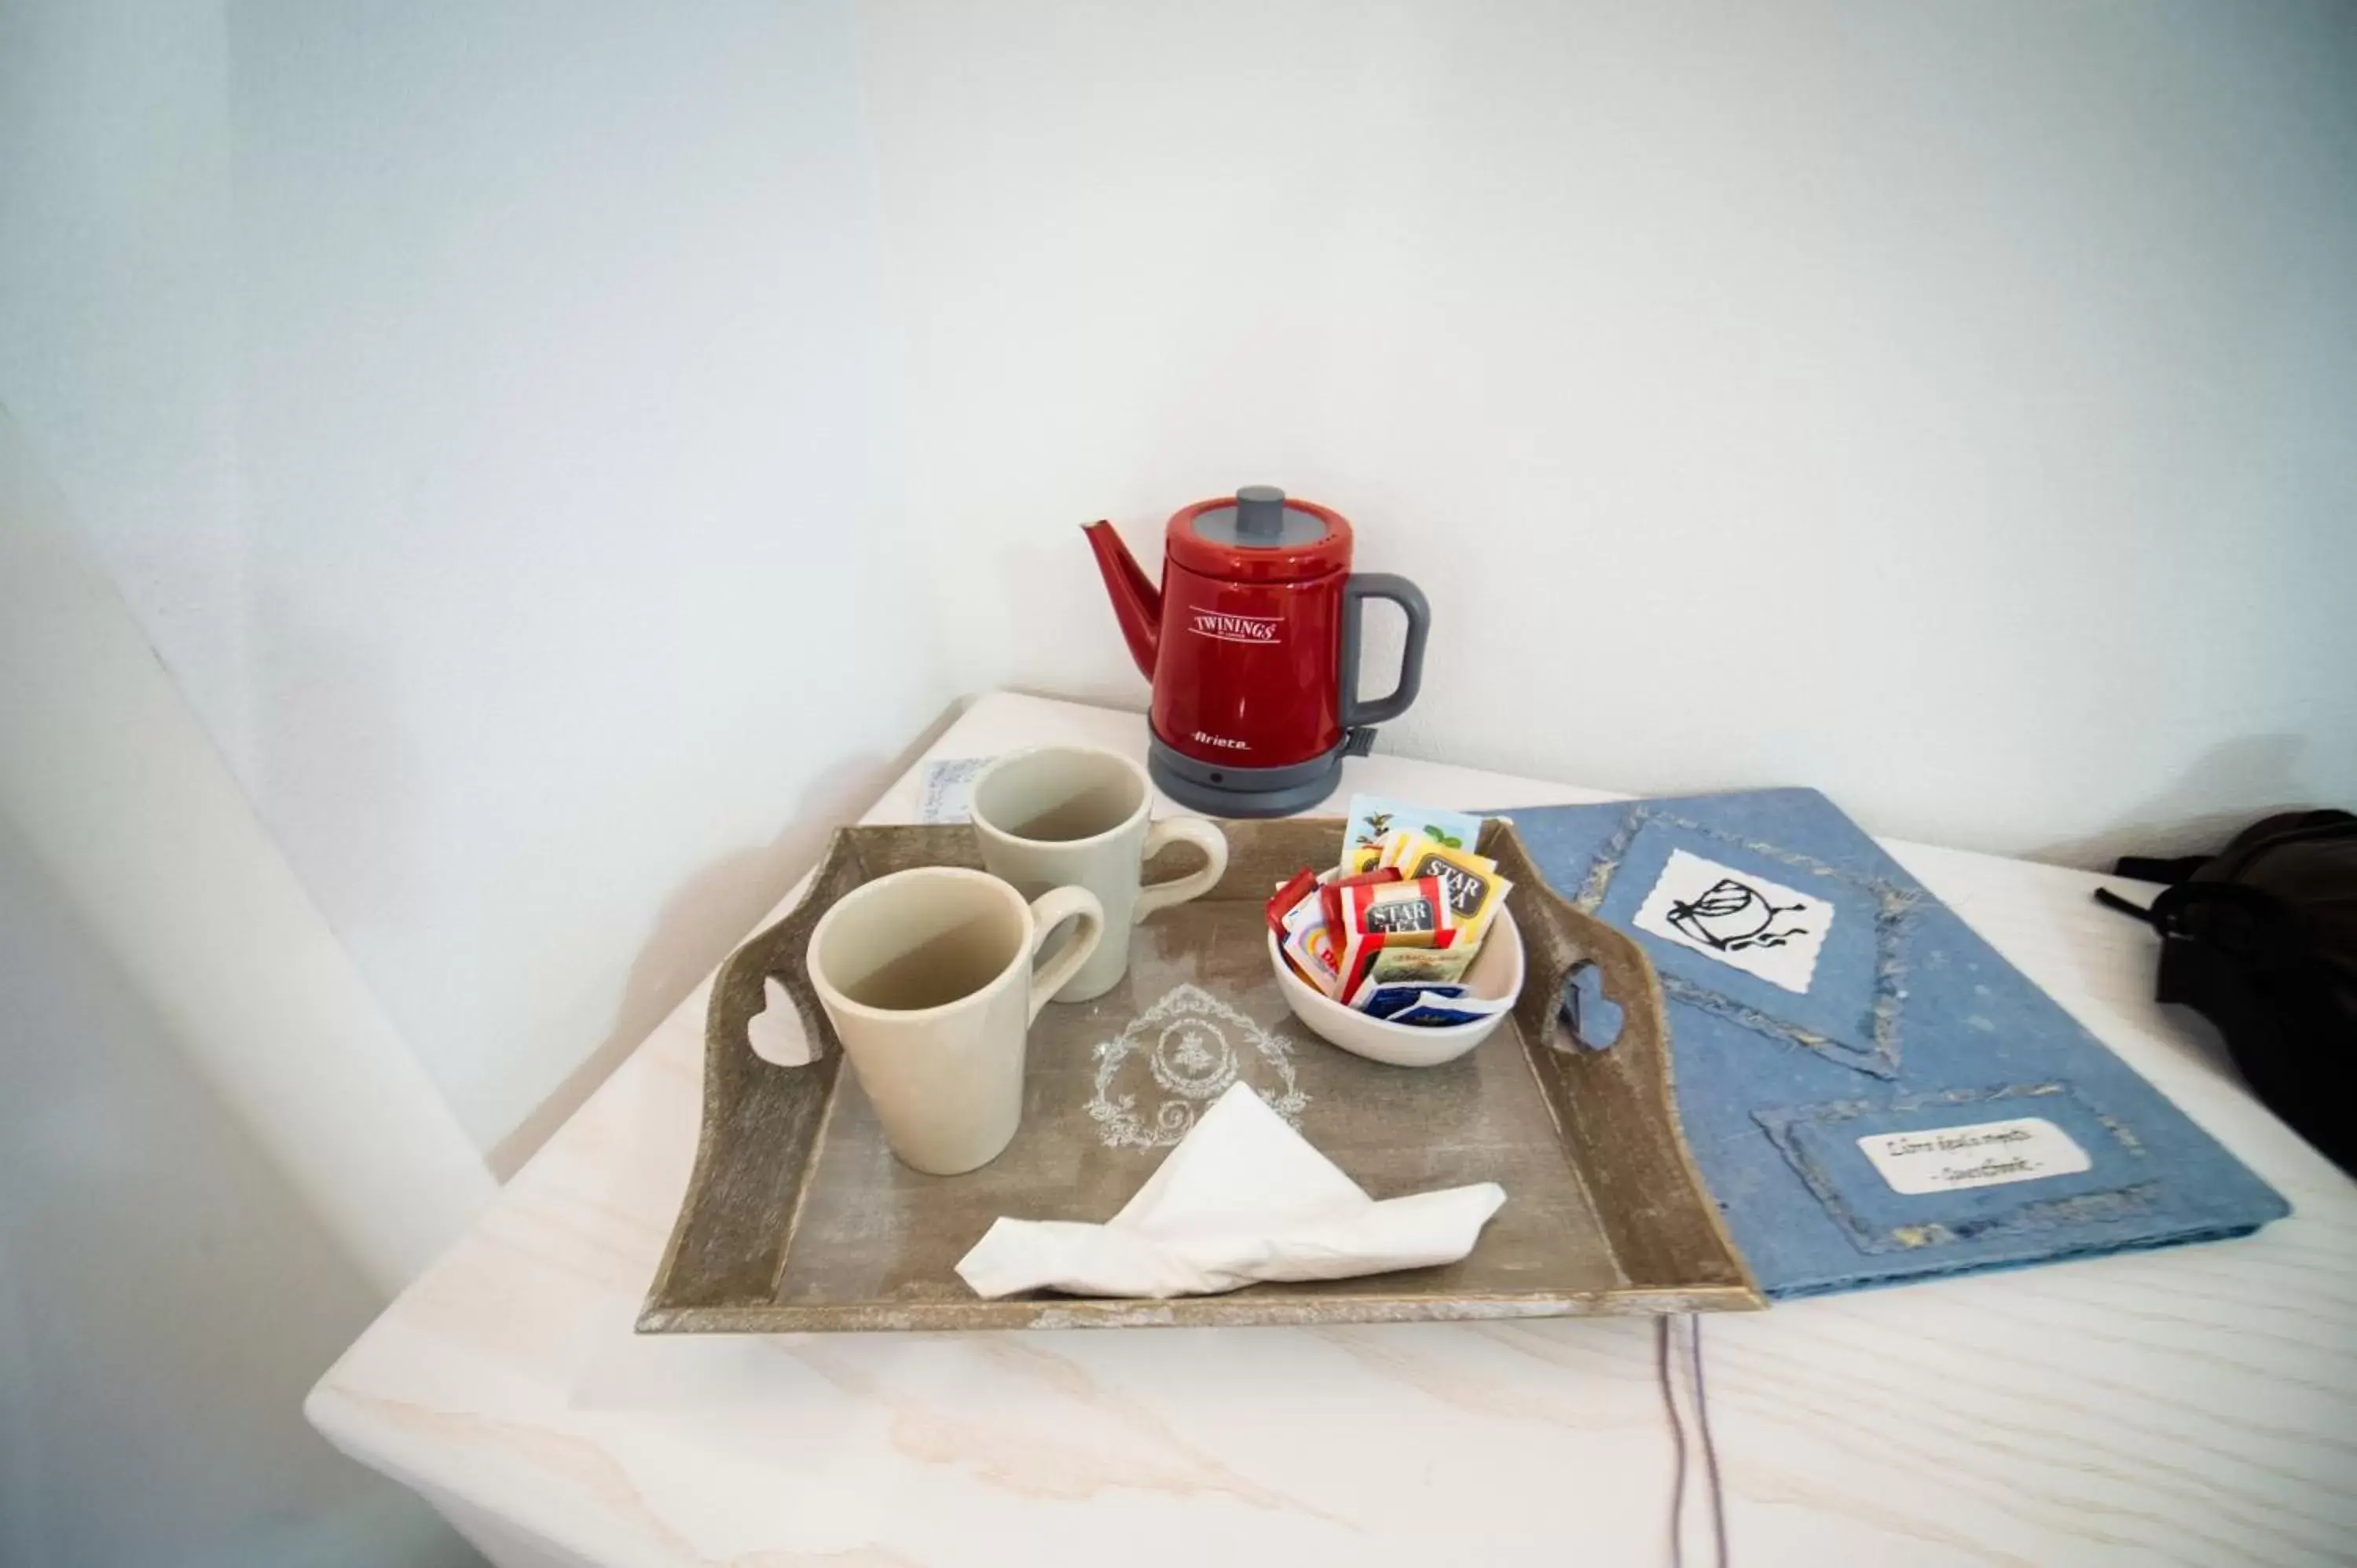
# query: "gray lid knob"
x,y
1260,518
1260,511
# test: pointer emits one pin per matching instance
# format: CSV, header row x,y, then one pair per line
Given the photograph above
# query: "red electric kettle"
x,y
1251,643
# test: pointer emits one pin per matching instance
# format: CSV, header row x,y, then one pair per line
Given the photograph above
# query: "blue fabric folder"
x,y
1908,1105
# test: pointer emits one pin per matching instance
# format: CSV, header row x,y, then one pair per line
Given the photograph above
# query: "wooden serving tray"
x,y
798,1218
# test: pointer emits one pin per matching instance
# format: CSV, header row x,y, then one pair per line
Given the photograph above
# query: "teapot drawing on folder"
x,y
1730,916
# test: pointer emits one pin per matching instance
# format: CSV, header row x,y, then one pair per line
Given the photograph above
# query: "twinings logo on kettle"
x,y
1234,628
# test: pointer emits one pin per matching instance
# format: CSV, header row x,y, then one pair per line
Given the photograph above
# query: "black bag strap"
x,y
2251,926
2145,869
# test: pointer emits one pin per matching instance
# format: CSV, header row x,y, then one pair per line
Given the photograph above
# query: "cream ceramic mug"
x,y
926,976
1076,815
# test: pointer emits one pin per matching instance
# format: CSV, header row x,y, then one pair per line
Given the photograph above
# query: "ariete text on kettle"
x,y
1251,643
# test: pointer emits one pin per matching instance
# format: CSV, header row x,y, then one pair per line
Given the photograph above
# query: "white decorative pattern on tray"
x,y
1188,1043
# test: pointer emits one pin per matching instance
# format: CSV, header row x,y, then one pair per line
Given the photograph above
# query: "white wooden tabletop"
x,y
2196,1405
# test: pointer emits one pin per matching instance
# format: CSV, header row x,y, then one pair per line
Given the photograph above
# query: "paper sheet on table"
x,y
946,791
1243,1198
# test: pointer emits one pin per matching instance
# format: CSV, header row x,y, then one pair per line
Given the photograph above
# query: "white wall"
x,y
117,342
166,1296
1946,405
123,799
491,415
480,408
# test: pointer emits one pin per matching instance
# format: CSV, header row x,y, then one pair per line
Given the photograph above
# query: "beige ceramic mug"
x,y
1073,815
926,976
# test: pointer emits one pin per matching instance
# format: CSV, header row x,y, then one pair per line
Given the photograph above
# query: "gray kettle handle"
x,y
1364,585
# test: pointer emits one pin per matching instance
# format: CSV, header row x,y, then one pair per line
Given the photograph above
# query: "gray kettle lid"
x,y
1259,519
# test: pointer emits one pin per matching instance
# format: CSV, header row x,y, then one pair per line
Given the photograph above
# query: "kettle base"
x,y
1222,791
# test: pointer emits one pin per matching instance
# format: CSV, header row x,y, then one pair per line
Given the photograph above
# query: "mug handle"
x,y
1195,883
1049,910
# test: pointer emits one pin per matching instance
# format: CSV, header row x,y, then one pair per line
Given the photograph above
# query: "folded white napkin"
x,y
1243,1198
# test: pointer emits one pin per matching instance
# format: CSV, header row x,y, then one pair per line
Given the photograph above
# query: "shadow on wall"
x,y
165,1298
704,919
337,733
2184,819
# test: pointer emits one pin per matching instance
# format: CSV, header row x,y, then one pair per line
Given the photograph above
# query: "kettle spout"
x,y
1137,603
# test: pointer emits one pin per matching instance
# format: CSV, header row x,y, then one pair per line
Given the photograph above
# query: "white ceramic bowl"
x,y
1496,970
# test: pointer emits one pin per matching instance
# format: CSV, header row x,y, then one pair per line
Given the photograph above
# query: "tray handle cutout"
x,y
1590,986
760,1001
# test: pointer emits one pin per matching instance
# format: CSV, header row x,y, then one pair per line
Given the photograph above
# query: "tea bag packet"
x,y
1302,884
1433,1010
1402,907
1379,999
1296,914
1371,918
1374,818
1308,945
1420,966
1361,851
1424,1005
1330,886
1472,881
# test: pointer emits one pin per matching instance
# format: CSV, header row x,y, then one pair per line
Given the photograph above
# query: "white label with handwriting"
x,y
1988,1153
